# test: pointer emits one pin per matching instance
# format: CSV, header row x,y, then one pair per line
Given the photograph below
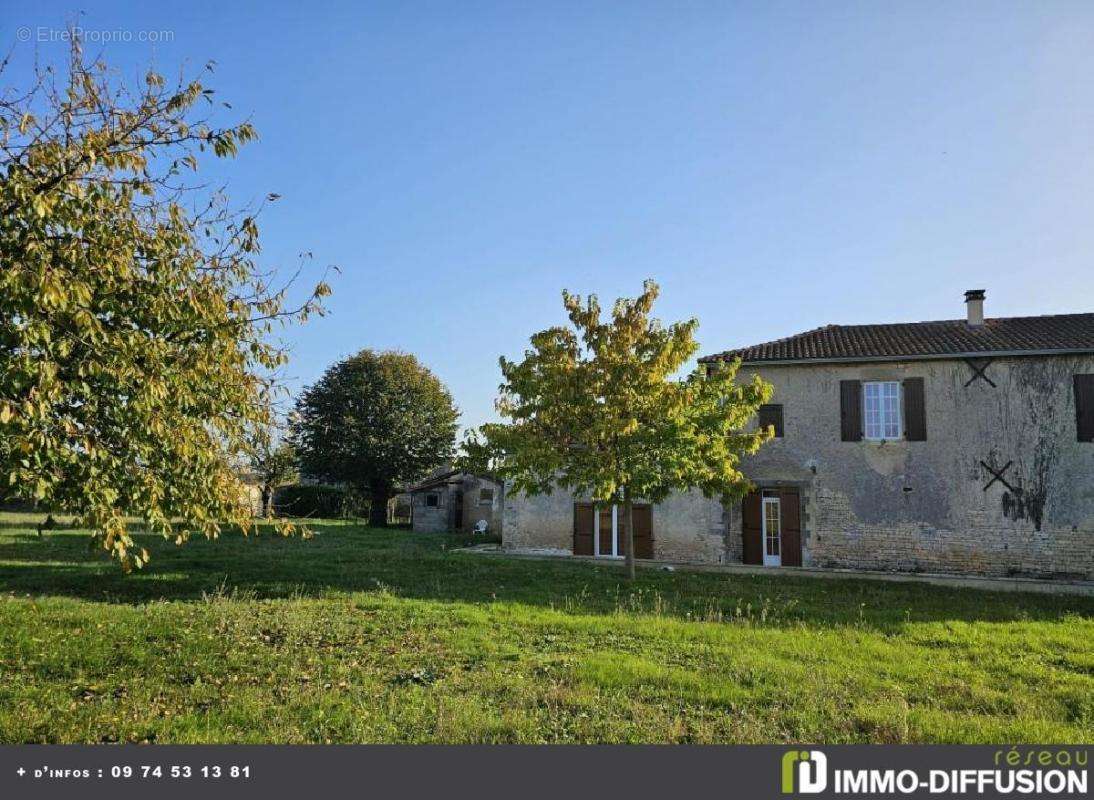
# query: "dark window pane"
x,y
1084,407
772,415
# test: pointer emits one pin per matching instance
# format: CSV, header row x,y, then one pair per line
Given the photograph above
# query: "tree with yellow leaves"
x,y
595,408
135,325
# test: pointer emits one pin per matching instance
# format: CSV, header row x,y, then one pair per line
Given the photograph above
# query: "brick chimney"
x,y
974,305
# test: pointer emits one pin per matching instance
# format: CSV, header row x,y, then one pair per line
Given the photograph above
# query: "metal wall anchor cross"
x,y
997,475
978,365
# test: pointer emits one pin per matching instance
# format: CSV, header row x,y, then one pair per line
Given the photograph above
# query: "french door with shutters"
x,y
600,530
771,526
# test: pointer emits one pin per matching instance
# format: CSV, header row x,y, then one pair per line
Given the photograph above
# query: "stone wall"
x,y
839,539
475,509
431,519
922,506
899,505
540,522
686,527
689,527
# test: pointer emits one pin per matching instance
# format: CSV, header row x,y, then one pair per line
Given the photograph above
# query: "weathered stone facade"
x,y
456,501
922,506
900,505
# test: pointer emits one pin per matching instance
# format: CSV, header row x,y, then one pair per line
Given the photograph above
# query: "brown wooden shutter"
x,y
915,411
771,414
583,529
643,531
750,529
1084,407
850,410
790,506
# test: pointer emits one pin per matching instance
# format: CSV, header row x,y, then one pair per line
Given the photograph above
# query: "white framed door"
x,y
606,542
771,530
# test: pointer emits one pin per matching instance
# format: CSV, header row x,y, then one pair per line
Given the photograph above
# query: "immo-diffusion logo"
x,y
1041,771
804,771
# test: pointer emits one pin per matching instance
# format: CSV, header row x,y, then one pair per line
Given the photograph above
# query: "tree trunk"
x,y
267,496
377,506
628,521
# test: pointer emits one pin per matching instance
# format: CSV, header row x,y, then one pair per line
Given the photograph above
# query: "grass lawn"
x,y
360,635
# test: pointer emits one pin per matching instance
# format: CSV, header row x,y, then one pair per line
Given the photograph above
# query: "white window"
x,y
772,518
881,400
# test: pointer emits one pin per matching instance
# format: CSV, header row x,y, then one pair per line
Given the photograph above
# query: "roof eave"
x,y
450,478
883,359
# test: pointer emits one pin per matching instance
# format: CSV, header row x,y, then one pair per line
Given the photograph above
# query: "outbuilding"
x,y
456,501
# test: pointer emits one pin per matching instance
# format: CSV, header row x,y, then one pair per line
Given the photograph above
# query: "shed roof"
x,y
434,481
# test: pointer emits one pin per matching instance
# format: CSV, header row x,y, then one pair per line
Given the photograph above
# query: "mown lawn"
x,y
360,635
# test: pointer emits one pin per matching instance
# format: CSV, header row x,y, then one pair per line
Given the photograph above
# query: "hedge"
x,y
318,500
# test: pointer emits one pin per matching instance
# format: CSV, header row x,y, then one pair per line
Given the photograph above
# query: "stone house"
x,y
958,446
455,501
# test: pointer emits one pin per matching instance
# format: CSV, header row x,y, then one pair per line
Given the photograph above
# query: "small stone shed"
x,y
251,491
455,501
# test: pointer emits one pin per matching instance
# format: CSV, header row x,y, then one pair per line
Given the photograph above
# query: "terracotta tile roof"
x,y
433,481
941,339
448,476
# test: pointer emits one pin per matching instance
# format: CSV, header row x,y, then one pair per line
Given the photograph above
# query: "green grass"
x,y
360,635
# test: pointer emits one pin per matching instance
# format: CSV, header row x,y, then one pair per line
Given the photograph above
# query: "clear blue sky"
x,y
775,166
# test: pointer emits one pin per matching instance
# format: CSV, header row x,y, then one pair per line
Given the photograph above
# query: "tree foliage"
x,y
476,454
135,324
375,421
594,408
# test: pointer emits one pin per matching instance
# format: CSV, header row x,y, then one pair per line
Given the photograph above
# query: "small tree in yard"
x,y
594,409
135,349
275,466
375,421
